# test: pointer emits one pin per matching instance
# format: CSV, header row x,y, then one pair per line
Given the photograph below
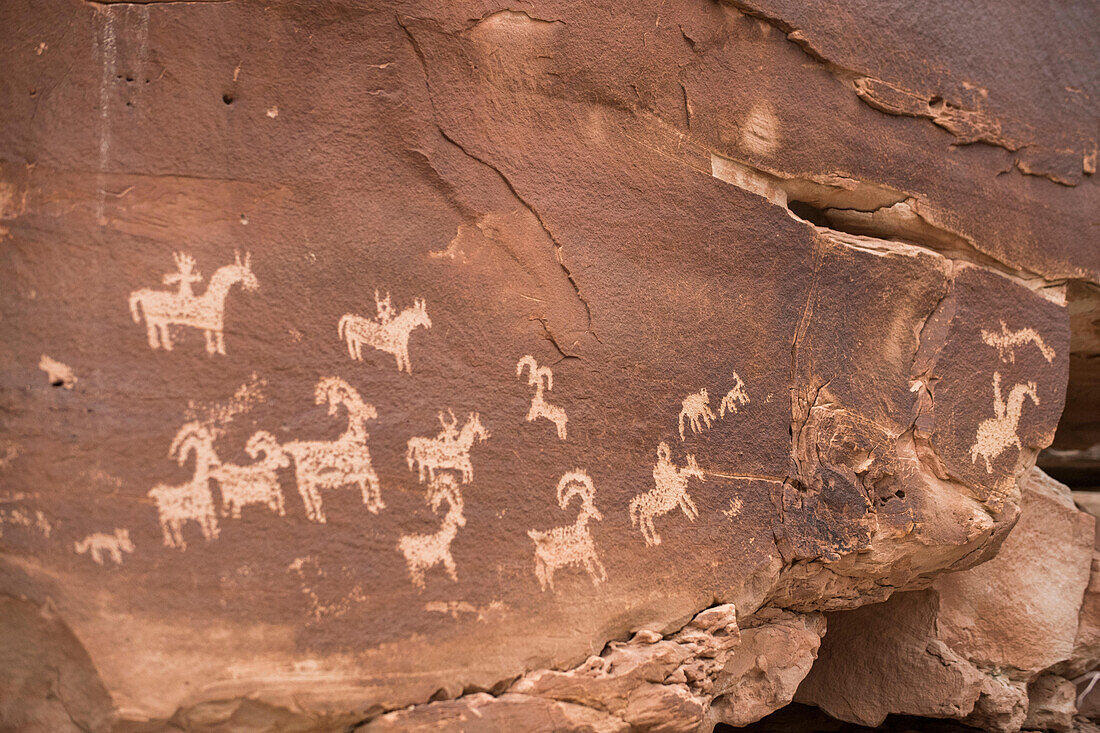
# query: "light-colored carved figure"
x,y
572,544
324,464
60,375
997,433
424,551
386,332
1007,340
257,483
542,379
449,450
206,312
191,501
734,398
101,545
670,492
696,408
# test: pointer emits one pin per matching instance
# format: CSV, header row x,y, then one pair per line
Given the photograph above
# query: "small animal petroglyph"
x,y
424,551
322,464
1007,340
572,544
60,375
386,332
734,398
191,501
696,408
101,545
670,492
542,379
206,312
997,433
257,483
449,450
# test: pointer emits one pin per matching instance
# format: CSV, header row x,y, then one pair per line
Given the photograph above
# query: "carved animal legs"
x,y
595,569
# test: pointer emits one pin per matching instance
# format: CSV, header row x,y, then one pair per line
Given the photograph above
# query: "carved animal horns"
x,y
575,483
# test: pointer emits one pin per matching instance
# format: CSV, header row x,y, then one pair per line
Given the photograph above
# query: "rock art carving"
x,y
60,375
449,450
670,492
696,408
323,464
311,576
542,379
386,332
191,501
163,309
424,551
257,483
997,433
1007,340
734,398
572,544
101,545
17,517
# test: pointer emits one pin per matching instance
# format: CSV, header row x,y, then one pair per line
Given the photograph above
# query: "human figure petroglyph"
x,y
997,433
100,545
206,312
388,332
734,398
572,544
1007,340
696,408
449,450
256,483
191,501
542,379
331,464
669,492
424,551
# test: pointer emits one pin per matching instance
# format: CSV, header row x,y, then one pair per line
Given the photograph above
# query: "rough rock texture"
x,y
382,363
987,645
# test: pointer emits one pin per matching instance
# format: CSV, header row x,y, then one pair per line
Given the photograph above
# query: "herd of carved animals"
x,y
442,461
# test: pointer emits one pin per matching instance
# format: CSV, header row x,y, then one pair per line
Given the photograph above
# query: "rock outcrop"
x,y
534,365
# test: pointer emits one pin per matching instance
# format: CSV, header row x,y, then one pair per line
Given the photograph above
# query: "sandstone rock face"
x,y
984,644
558,364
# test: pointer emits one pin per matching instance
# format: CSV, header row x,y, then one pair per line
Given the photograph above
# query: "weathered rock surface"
x,y
384,363
987,645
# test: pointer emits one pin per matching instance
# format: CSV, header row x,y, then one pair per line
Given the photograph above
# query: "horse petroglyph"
x,y
321,464
572,544
101,545
997,433
388,332
190,501
206,312
424,551
1007,340
542,379
670,492
449,450
734,398
257,483
696,408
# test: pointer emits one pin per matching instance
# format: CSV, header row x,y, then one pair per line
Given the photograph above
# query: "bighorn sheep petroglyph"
x,y
191,501
424,551
542,379
572,544
257,483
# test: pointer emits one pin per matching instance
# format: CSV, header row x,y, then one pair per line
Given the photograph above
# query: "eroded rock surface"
x,y
384,363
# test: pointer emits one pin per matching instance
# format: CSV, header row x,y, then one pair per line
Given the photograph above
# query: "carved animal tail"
x,y
341,329
135,300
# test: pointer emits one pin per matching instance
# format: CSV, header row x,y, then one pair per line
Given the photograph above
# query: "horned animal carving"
x,y
191,501
331,464
997,433
736,397
696,408
670,492
449,450
257,483
388,332
206,312
572,544
424,551
100,545
542,379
